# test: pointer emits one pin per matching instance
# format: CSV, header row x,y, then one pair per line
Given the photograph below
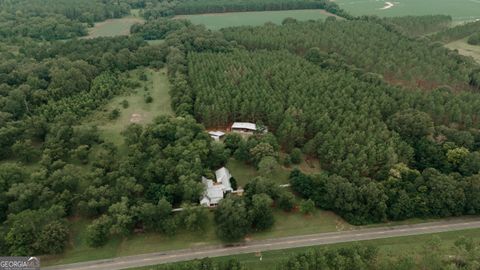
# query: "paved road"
x,y
273,244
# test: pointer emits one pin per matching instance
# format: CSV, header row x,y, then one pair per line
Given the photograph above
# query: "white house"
x,y
216,191
216,135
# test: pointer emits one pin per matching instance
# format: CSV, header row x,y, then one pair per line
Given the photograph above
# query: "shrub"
x,y
98,231
307,207
474,39
286,201
125,104
114,114
296,156
148,99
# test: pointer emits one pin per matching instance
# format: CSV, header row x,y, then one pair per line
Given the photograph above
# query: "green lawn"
x,y
138,110
244,173
460,10
465,49
113,27
287,224
220,20
388,248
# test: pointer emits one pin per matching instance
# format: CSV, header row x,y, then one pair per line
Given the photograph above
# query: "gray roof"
x,y
244,125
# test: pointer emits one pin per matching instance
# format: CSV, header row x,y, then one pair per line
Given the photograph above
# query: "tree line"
x,y
220,6
155,10
457,32
416,26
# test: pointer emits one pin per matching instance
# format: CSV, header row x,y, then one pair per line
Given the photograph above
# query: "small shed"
x,y
216,135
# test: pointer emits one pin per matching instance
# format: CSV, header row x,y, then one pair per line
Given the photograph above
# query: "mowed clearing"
x,y
217,21
138,111
113,27
465,49
287,224
460,10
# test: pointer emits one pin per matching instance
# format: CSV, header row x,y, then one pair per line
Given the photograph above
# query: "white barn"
x,y
244,127
216,191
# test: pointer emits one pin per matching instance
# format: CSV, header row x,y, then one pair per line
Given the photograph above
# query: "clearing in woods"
x,y
138,110
217,21
113,27
460,10
465,49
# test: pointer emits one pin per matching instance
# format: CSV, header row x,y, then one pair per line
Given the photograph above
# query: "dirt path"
x,y
387,5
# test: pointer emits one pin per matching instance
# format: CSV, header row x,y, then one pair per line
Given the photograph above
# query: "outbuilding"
x,y
216,135
244,127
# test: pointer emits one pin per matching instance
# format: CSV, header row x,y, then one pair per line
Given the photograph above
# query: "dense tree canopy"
x,y
419,25
364,44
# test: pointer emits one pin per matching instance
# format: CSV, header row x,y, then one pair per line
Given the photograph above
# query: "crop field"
x,y
465,49
221,20
113,27
460,10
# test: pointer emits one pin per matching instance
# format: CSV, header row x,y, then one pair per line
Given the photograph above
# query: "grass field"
x,y
388,248
138,110
460,10
244,173
113,27
221,20
287,224
465,49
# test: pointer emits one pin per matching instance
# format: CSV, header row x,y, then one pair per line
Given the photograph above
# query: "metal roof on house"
x,y
214,192
222,174
244,125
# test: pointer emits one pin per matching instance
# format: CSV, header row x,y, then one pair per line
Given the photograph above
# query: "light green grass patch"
x,y
113,27
465,49
138,110
460,10
244,173
156,41
221,20
295,223
388,248
286,224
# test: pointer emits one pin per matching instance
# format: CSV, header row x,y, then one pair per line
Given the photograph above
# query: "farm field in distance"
x,y
217,21
460,10
113,27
